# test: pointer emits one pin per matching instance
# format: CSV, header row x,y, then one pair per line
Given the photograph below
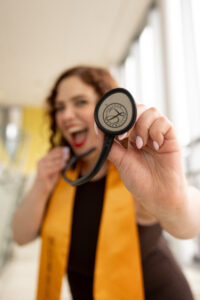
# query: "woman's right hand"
x,y
49,168
32,208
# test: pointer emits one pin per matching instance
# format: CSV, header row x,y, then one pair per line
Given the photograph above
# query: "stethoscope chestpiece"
x,y
114,114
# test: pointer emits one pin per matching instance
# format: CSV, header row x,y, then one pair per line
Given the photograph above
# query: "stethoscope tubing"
x,y
102,158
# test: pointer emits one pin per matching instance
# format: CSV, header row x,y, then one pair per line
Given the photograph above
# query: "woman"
x,y
90,232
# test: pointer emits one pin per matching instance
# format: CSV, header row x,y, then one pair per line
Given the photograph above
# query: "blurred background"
x,y
151,47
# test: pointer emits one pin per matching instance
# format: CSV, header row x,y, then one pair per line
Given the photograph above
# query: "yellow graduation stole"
x,y
117,274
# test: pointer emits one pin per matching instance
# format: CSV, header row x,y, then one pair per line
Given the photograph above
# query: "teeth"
x,y
75,129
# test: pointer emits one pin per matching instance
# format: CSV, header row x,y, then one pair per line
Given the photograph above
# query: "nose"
x,y
68,113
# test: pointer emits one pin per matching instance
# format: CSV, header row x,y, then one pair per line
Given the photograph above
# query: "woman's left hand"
x,y
151,166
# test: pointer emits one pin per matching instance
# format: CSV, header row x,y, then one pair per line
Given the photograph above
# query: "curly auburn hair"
x,y
99,78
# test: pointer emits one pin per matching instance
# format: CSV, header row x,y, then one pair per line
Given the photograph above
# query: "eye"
x,y
59,108
81,102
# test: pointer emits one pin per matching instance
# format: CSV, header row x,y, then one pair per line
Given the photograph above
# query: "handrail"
x,y
193,173
193,142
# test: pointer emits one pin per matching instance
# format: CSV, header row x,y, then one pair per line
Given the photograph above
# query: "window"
x,y
143,74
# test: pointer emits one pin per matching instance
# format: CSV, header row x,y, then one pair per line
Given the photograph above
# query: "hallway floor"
x,y
19,278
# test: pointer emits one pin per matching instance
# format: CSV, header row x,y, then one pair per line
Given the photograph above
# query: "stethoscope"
x,y
114,114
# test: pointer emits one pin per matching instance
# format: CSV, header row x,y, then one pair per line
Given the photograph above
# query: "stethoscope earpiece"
x,y
114,114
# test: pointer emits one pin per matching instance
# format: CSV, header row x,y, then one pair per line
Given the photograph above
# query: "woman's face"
x,y
75,104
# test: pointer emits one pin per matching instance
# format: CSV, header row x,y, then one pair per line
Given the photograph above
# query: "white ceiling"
x,y
40,38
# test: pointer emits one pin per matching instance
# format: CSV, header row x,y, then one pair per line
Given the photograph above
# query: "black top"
x,y
85,226
163,278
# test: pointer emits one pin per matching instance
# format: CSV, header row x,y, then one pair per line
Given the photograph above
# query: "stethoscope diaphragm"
x,y
116,112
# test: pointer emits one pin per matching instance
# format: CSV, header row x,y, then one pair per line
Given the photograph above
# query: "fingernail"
x,y
122,136
156,145
95,128
66,152
139,142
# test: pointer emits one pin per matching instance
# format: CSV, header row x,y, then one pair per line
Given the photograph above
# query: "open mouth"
x,y
78,136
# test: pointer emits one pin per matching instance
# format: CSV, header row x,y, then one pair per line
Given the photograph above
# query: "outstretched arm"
x,y
156,177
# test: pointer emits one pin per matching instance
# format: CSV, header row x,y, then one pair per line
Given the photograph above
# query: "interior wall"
x,y
35,127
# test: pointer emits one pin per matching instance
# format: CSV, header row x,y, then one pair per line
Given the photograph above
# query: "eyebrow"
x,y
72,99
